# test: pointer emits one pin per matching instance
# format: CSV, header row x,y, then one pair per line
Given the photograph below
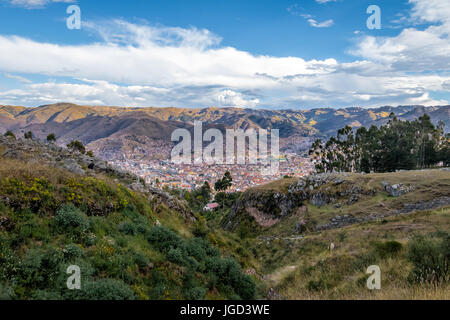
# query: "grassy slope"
x,y
303,267
35,251
297,267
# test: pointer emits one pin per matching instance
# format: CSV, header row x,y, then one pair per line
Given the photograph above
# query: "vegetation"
x,y
430,258
53,219
77,146
224,183
51,138
128,247
28,135
10,134
398,145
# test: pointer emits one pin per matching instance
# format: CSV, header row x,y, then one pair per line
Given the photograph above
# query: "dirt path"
x,y
279,274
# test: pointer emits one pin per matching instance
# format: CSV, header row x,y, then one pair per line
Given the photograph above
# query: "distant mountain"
x,y
146,132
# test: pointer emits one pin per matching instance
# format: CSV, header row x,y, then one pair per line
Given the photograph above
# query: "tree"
x,y
51,138
397,145
205,190
28,135
224,183
10,134
76,145
90,153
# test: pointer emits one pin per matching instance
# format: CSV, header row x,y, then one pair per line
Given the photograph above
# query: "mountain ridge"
x,y
109,129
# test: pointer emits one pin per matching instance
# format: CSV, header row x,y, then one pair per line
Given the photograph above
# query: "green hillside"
x,y
130,241
297,238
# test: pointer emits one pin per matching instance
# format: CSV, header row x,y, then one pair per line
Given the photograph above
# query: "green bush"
x,y
51,138
140,260
10,134
70,218
316,285
28,135
76,145
176,256
128,228
9,262
430,258
72,251
46,295
164,239
6,292
41,267
197,293
229,272
107,289
198,255
387,249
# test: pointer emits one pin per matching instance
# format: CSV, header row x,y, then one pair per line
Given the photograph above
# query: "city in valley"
x,y
166,173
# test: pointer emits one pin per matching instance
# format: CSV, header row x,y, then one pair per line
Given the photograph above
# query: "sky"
x,y
269,54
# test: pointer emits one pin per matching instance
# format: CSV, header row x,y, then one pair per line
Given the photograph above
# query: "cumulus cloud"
x,y
324,24
34,4
324,1
414,50
230,98
144,65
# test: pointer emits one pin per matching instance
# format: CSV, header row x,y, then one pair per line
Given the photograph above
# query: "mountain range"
x,y
146,132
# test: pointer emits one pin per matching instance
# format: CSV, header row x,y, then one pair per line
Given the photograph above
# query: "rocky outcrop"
x,y
83,165
158,197
268,207
340,222
397,190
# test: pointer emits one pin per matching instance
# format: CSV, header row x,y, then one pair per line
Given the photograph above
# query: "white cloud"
x,y
230,98
16,77
296,10
414,50
34,4
324,24
142,65
324,1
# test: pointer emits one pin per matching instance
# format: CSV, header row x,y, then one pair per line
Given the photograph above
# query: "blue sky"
x,y
256,54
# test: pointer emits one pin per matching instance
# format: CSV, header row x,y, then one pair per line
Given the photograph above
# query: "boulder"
x,y
397,190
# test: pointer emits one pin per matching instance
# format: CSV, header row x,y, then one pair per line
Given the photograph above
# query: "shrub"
x,y
164,239
6,292
158,283
10,134
387,249
176,256
127,228
245,288
41,267
46,295
197,293
316,285
76,145
28,135
72,251
197,247
140,260
107,289
37,194
70,218
51,138
229,272
430,259
90,153
9,262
